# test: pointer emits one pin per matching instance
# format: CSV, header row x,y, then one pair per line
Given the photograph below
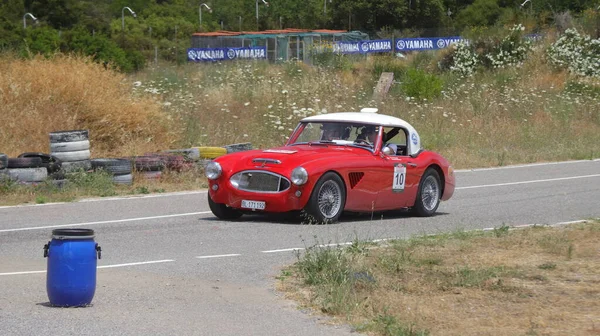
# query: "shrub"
x,y
421,85
332,60
492,52
43,40
463,60
389,64
101,48
510,51
579,54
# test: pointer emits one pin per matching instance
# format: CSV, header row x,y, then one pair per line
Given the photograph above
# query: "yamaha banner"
x,y
363,47
224,54
433,43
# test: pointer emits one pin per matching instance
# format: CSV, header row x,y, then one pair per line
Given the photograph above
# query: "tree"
x,y
480,13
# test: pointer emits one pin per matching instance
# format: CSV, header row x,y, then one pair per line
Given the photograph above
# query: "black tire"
x,y
222,211
25,162
3,161
113,166
327,200
51,162
429,194
69,136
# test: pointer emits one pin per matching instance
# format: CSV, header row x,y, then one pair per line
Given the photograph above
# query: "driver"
x,y
368,134
331,132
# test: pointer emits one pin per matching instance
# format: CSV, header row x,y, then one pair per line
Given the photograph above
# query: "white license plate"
x,y
254,205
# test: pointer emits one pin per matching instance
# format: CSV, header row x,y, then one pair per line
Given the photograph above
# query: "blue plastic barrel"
x,y
72,260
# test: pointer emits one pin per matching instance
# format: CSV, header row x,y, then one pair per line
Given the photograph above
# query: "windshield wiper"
x,y
321,142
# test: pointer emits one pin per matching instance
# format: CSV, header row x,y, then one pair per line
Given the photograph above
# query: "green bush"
x,y
479,13
330,59
102,48
389,64
578,53
42,40
421,85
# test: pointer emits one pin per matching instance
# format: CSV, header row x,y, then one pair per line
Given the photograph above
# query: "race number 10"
x,y
399,178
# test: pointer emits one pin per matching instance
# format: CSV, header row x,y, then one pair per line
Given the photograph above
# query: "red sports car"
x,y
350,161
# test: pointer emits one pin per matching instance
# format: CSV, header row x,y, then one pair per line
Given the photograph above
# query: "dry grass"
x,y
535,281
41,95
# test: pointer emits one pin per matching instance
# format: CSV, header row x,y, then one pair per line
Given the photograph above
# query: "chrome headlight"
x,y
299,176
213,170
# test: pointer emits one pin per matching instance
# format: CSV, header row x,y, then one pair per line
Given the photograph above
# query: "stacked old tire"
x,y
50,163
72,148
119,168
28,170
3,165
152,165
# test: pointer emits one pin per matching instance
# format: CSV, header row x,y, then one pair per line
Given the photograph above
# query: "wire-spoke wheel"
x,y
327,200
428,197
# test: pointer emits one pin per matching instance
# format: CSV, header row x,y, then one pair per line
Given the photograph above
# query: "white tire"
x,y
69,146
73,156
69,136
28,174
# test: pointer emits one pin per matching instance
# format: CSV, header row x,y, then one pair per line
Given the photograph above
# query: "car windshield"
x,y
338,133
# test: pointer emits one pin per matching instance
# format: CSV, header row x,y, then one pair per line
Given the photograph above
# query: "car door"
x,y
400,177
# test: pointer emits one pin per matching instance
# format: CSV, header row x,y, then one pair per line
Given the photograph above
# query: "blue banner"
x,y
224,54
433,43
363,47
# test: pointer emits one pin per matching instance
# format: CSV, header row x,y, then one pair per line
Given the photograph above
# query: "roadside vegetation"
x,y
500,100
532,281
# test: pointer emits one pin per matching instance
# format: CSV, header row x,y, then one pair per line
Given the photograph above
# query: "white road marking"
x,y
137,263
116,198
284,250
19,273
106,222
219,256
524,165
324,245
527,182
105,266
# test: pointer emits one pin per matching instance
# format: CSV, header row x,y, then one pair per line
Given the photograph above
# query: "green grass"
x,y
419,285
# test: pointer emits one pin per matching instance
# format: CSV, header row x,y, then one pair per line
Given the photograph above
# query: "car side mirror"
x,y
388,151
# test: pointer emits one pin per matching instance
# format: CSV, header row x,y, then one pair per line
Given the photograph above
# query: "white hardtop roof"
x,y
360,118
370,117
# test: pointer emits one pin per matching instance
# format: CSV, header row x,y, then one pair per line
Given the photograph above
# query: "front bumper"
x,y
274,202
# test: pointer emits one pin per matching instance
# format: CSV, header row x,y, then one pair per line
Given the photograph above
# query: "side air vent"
x,y
355,178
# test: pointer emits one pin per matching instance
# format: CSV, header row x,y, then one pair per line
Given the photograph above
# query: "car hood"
x,y
286,158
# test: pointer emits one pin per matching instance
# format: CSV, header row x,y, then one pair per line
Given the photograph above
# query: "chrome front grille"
x,y
259,181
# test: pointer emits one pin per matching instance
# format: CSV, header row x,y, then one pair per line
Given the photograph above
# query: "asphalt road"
x,y
170,268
